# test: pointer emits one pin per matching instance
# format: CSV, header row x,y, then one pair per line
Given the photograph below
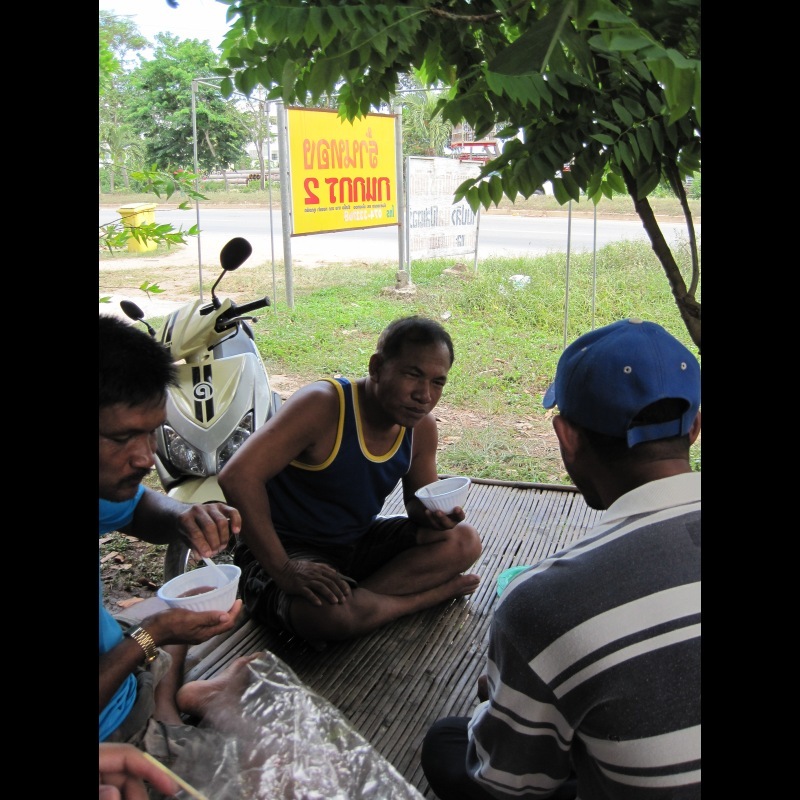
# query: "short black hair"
x,y
665,410
135,368
416,330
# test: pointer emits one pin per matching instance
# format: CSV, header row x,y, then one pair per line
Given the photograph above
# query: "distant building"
x,y
273,160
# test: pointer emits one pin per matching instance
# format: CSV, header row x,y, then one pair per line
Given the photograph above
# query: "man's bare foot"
x,y
458,586
193,698
369,610
462,585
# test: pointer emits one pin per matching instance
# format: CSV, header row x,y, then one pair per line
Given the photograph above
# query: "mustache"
x,y
140,475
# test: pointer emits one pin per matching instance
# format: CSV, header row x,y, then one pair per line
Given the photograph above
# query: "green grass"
x,y
507,340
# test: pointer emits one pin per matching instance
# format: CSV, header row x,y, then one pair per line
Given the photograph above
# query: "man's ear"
x,y
694,431
375,363
568,436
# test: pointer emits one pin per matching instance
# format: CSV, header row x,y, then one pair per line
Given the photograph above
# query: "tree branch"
x,y
440,12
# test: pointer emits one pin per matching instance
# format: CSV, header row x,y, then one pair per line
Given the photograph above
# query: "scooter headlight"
x,y
183,455
236,439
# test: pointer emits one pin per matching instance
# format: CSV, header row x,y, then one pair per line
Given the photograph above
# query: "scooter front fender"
x,y
192,490
198,490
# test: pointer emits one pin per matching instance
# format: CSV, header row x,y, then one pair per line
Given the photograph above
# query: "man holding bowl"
x,y
316,558
142,699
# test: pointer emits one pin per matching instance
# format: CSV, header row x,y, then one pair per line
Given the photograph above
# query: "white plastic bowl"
x,y
219,599
445,495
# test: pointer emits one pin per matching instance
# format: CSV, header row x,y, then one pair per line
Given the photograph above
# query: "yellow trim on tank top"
x,y
339,429
362,444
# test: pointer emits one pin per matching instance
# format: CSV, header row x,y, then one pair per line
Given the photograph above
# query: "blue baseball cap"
x,y
607,376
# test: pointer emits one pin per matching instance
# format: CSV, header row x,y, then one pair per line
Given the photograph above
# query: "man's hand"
x,y
314,581
439,521
207,527
182,626
122,770
483,687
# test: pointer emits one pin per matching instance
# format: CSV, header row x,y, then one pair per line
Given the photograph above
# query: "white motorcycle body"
x,y
222,396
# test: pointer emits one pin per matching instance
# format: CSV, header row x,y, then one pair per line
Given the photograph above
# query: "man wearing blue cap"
x,y
592,686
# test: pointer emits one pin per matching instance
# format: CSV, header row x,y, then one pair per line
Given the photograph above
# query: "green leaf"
x,y
542,166
557,86
528,53
594,184
634,107
657,133
289,73
680,94
656,104
380,42
474,200
264,73
338,21
541,86
246,81
622,113
612,126
628,41
645,142
622,154
570,184
634,146
689,158
560,192
647,181
496,189
483,194
616,183
321,79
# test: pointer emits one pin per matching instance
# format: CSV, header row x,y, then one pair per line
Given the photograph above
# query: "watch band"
x,y
145,641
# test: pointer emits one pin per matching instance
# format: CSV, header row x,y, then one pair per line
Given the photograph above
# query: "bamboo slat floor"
x,y
393,684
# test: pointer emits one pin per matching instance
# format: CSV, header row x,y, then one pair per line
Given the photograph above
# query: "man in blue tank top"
x,y
316,559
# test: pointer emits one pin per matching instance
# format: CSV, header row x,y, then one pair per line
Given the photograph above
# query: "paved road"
x,y
499,235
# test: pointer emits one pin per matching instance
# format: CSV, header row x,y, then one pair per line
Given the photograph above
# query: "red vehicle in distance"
x,y
475,152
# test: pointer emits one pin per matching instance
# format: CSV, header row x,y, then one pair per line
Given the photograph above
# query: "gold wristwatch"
x,y
145,641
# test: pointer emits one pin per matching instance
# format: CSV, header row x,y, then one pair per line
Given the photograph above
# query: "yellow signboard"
x,y
343,174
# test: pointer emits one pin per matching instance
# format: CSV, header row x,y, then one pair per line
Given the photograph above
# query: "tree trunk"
x,y
260,156
688,306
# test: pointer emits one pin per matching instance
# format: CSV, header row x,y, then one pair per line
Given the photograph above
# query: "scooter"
x,y
223,393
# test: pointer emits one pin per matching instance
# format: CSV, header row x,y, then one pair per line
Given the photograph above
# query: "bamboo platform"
x,y
393,684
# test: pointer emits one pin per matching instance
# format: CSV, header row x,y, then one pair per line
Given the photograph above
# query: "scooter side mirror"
x,y
131,310
235,253
136,314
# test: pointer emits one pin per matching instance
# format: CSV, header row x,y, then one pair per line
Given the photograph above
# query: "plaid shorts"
x,y
265,602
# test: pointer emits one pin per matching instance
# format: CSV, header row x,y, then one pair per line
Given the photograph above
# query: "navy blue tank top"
x,y
336,501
